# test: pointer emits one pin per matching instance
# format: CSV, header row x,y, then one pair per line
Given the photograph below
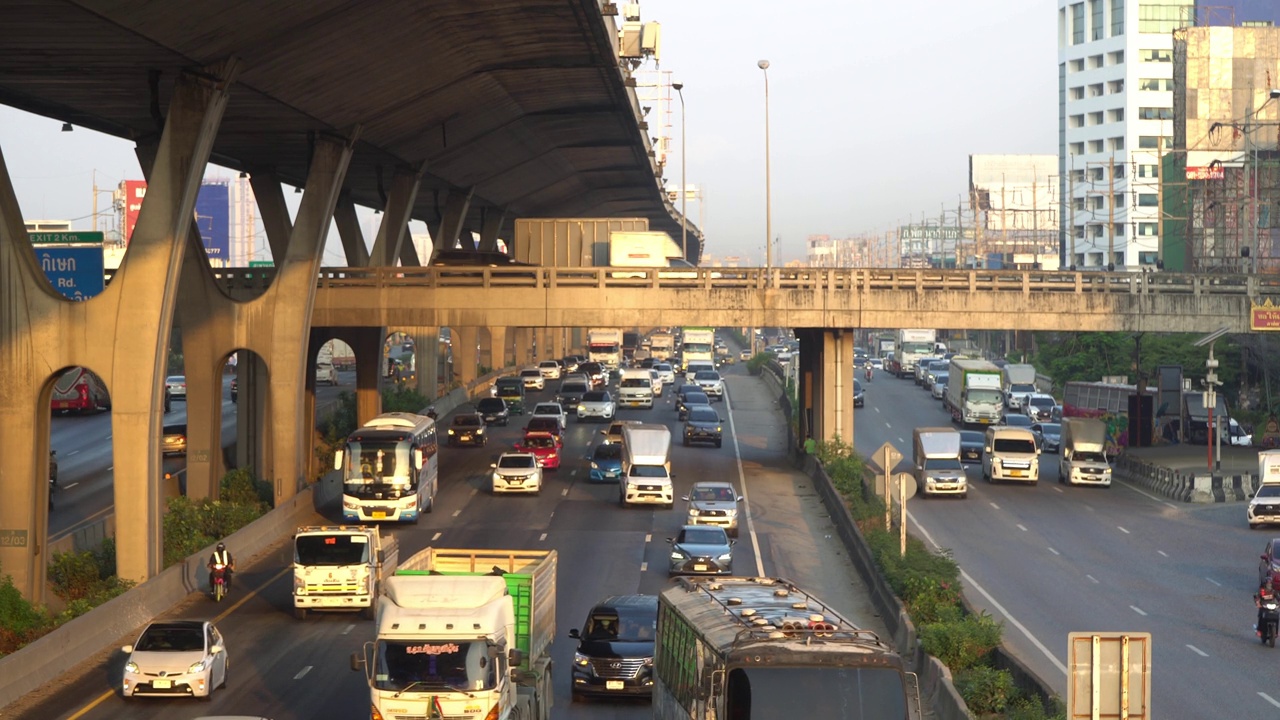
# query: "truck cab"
x,y
1083,458
340,567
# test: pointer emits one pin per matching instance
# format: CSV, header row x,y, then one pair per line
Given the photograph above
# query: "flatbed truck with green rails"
x,y
752,648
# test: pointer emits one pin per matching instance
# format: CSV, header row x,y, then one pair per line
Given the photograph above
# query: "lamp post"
x,y
684,191
768,191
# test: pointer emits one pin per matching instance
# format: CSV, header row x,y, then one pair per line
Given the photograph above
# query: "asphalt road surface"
x,y
1048,559
282,668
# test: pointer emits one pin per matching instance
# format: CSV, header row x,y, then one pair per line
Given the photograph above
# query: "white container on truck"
x,y
1084,453
635,388
464,633
662,345
1268,466
768,640
1010,453
973,394
646,466
936,454
912,345
340,567
644,249
604,346
699,346
1019,381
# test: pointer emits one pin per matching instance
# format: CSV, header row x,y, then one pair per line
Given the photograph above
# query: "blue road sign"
x,y
76,272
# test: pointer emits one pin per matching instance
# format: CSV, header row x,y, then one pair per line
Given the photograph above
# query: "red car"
x,y
544,446
545,424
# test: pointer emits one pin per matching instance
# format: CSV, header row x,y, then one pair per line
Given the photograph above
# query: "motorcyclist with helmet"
x,y
1265,593
222,556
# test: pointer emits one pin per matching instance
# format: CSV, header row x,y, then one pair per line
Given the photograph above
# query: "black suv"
x,y
494,411
615,648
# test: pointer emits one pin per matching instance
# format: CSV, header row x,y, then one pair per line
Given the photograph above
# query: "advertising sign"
x,y
1264,317
1212,172
76,272
134,192
213,219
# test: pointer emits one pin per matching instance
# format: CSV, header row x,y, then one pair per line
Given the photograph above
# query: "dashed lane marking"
x,y
644,566
1093,579
302,673
436,537
1126,532
1198,651
542,537
347,630
457,512
1163,553
1137,609
1269,699
1215,582
71,486
1055,552
1022,527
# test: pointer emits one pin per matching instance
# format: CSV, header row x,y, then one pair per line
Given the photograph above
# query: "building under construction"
x,y
1014,202
1220,180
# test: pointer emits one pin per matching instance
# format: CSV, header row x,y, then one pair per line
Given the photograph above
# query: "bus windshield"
x,y
833,693
426,666
373,462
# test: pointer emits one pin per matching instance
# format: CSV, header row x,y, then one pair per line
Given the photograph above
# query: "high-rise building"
x,y
1115,116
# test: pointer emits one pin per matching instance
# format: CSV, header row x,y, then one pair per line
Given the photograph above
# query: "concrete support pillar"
x,y
578,340
499,348
522,348
252,437
558,347
451,221
344,216
807,400
393,232
426,359
464,354
366,343
491,228
467,240
837,386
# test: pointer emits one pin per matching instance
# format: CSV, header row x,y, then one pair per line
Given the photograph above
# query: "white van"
x,y
635,388
325,374
936,456
1010,453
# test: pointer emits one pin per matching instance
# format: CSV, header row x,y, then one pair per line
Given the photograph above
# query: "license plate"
x,y
517,481
1017,473
378,514
613,684
985,421
162,684
700,568
466,438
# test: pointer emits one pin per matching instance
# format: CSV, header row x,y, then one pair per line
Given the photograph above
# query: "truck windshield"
x,y
1093,457
1020,389
942,464
1014,445
985,396
836,693
916,348
331,550
433,665
648,471
374,462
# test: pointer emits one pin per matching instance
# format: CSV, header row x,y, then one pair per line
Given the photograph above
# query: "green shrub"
x,y
20,621
985,690
757,362
192,525
403,399
240,487
1030,708
86,579
961,644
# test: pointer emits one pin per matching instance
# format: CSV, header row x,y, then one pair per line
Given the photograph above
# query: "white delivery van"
x,y
635,388
936,457
1084,453
1010,453
646,466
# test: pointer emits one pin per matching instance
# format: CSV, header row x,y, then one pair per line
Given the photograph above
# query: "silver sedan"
x,y
596,405
701,550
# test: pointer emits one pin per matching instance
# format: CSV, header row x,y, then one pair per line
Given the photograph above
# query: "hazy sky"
x,y
874,109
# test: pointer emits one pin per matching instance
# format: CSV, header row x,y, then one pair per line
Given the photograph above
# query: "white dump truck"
x,y
340,567
464,633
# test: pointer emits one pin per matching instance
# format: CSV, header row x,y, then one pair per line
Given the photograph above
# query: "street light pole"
x,y
684,190
768,191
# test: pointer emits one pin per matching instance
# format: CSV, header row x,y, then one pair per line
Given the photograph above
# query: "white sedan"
x,y
532,379
517,472
177,385
596,405
551,409
177,658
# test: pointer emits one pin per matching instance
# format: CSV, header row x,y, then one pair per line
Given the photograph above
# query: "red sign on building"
x,y
1212,172
134,192
1264,317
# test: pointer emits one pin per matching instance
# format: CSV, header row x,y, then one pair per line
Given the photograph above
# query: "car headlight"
x,y
717,428
581,660
450,431
595,466
350,505
582,408
648,662
131,667
299,585
677,555
480,430
198,667
725,557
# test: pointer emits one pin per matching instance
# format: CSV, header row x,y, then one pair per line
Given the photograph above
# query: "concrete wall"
x,y
1193,486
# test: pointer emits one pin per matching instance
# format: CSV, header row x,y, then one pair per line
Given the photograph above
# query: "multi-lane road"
x,y
1049,559
83,443
282,668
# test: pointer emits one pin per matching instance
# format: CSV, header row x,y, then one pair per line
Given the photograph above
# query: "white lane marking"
x,y
302,673
997,507
113,467
1163,553
346,630
904,442
1000,608
746,502
888,425
475,491
457,512
68,487
644,566
1126,532
73,452
108,437
1094,579
1215,582
1137,609
1057,490
564,492
1198,651
1269,699
542,537
1055,552
876,409
648,538
573,472
436,537
1022,527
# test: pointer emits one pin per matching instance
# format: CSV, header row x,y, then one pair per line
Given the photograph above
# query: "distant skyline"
x,y
875,108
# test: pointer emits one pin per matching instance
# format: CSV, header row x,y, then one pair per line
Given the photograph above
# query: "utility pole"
x,y
1159,199
1111,213
1071,210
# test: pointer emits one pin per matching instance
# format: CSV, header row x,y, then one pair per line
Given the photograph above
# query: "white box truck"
x,y
340,567
1019,381
646,466
464,633
910,347
699,346
1083,458
936,457
973,394
604,346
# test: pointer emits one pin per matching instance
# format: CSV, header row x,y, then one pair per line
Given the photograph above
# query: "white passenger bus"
x,y
390,469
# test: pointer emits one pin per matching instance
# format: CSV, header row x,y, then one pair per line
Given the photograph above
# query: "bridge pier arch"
x,y
465,342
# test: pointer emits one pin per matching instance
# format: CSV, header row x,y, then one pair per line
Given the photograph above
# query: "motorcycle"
x,y
1269,621
219,582
53,485
431,412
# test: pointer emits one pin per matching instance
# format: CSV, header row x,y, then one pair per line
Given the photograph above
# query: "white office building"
x,y
1115,113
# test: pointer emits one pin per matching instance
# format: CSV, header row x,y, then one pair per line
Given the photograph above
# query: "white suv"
x,y
517,472
550,369
710,383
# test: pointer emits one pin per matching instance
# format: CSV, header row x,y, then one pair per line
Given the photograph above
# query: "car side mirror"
x,y
684,498
573,633
493,466
671,541
987,449
357,660
741,499
215,649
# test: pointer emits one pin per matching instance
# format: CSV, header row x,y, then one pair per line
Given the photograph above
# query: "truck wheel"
x,y
300,613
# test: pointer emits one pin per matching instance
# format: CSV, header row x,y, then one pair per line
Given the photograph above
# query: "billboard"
x,y
76,272
213,220
134,192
